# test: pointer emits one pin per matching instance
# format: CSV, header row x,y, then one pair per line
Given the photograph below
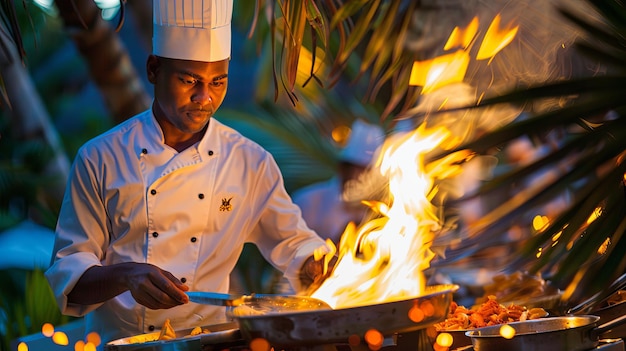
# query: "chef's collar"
x,y
207,146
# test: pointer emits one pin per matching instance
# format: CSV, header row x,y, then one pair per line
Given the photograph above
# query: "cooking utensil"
x,y
260,302
588,305
553,333
314,327
221,337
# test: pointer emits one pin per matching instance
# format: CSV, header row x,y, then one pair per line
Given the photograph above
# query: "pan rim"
x,y
591,320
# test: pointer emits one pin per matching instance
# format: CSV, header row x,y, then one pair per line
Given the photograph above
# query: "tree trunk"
x,y
30,119
142,12
107,58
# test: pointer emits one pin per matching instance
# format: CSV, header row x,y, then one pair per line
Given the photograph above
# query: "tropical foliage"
x,y
581,249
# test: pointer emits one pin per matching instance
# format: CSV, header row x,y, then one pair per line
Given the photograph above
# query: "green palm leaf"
x,y
576,254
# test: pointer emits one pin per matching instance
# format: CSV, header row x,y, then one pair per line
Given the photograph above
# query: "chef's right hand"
x,y
149,285
155,288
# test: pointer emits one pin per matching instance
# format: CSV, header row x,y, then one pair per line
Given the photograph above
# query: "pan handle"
x,y
599,297
608,326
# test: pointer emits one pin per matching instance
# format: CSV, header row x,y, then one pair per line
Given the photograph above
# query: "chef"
x,y
164,202
330,205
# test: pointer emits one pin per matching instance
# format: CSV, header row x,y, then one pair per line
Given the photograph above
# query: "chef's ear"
x,y
152,67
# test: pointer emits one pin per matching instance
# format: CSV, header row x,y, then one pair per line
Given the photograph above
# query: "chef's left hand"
x,y
312,273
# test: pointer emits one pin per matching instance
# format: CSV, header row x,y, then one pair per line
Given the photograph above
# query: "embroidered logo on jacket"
x,y
226,206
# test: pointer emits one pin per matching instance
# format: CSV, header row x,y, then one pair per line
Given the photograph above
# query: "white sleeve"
x,y
81,235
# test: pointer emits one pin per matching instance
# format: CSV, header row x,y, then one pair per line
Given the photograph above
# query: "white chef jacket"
x,y
324,209
130,197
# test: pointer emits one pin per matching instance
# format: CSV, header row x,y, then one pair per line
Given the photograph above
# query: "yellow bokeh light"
x,y
60,338
540,223
94,338
594,215
341,134
507,331
47,329
79,346
416,314
605,245
22,346
374,339
259,344
428,308
444,339
90,347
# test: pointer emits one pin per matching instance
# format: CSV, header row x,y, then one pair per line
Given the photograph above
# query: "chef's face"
x,y
186,93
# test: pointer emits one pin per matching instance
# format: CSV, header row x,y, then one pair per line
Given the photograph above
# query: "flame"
x,y
451,67
495,39
440,71
383,259
462,37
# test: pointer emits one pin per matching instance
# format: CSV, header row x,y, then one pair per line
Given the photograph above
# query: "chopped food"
x,y
196,331
167,332
517,286
139,339
489,313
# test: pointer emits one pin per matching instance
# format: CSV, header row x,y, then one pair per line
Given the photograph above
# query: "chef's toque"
x,y
197,30
364,140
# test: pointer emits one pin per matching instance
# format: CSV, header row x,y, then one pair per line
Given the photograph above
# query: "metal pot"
x,y
553,333
337,326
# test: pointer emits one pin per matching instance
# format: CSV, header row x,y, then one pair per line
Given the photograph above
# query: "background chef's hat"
x,y
197,30
364,140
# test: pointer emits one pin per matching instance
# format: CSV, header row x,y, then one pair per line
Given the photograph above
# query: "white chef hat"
x,y
197,30
364,140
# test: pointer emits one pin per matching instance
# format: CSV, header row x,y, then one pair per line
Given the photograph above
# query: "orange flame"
x,y
440,71
452,67
383,259
495,39
462,38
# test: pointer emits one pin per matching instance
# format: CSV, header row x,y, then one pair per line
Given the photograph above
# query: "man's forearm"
x,y
99,284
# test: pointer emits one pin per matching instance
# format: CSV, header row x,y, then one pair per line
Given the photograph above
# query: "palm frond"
x,y
581,249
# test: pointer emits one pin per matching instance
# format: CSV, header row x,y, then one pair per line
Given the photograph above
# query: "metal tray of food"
x,y
220,336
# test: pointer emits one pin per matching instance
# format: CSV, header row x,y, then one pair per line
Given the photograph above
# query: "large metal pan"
x,y
314,327
570,333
